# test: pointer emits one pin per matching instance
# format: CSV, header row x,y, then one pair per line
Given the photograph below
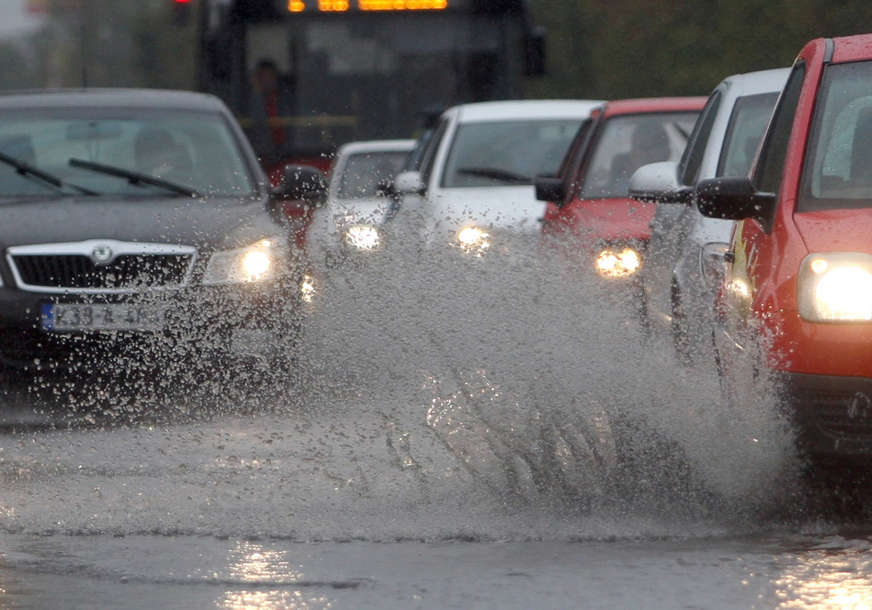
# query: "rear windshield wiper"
x,y
25,169
134,178
495,173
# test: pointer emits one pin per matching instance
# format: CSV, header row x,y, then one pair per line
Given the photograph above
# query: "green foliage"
x,y
633,48
126,43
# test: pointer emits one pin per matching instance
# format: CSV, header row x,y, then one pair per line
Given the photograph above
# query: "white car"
x,y
347,225
686,248
476,176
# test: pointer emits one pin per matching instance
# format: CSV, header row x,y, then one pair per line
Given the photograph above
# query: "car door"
x,y
672,221
752,246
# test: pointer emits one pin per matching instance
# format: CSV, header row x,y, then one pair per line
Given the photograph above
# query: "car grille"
x,y
73,271
834,415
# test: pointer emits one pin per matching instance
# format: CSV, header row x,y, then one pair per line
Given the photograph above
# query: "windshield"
x,y
747,125
839,157
388,69
507,153
628,142
363,172
193,149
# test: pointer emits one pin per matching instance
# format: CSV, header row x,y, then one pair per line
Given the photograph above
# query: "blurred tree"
x,y
627,48
109,43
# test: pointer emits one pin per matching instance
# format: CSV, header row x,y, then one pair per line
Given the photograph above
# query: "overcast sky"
x,y
14,18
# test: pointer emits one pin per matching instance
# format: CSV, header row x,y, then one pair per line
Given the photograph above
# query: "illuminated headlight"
x,y
307,288
255,263
618,263
363,237
835,287
473,239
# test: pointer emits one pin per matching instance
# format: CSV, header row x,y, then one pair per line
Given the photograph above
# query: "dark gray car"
x,y
138,228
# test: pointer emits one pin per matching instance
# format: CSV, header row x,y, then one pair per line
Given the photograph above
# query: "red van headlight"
x,y
835,287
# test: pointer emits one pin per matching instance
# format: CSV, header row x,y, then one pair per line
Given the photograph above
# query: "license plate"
x,y
56,317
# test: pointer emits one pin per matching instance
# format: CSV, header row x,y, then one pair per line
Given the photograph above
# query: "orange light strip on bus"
x,y
296,6
402,5
333,6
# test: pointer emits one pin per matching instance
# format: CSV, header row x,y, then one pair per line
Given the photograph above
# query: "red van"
x,y
799,267
588,201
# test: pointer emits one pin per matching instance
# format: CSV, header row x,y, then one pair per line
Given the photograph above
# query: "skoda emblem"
x,y
101,254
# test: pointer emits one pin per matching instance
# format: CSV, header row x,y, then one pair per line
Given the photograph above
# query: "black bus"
x,y
305,76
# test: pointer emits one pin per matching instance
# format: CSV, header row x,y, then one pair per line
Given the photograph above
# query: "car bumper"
x,y
208,322
832,414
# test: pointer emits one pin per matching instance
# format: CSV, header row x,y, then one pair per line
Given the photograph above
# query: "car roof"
x,y
524,109
852,48
111,98
365,146
653,104
751,83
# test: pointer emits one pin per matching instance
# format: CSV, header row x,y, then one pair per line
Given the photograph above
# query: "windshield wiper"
x,y
495,173
134,178
25,169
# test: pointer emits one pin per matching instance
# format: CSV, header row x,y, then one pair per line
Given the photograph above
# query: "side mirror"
x,y
658,183
732,199
550,188
409,183
301,183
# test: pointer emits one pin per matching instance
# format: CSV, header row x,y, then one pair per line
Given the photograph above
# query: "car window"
x,y
363,172
501,153
194,149
691,160
839,157
748,121
770,166
628,142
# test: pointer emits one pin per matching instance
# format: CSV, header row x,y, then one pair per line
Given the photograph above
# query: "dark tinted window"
x,y
838,164
771,165
747,124
691,160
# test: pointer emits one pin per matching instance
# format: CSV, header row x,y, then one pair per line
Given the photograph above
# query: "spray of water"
x,y
435,394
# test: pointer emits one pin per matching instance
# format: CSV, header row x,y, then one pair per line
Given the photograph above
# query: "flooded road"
x,y
470,445
790,571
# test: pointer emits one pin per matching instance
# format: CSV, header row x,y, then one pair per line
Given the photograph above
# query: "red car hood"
x,y
836,230
609,219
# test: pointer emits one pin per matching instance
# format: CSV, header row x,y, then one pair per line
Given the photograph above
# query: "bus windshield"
x,y
305,83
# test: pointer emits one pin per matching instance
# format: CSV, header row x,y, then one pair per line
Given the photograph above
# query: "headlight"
x,y
835,287
618,263
363,237
473,239
307,288
255,263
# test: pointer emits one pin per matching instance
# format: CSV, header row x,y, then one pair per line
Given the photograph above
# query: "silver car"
x,y
347,226
686,249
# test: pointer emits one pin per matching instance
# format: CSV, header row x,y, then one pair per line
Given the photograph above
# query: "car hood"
x,y
513,208
344,212
836,230
609,219
206,224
